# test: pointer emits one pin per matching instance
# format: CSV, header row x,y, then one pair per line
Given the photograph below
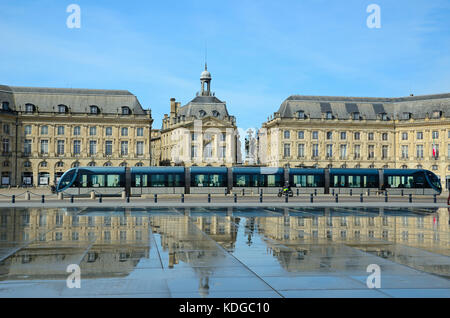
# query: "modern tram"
x,y
137,181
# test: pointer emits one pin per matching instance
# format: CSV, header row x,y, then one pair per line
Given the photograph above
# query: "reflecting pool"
x,y
228,252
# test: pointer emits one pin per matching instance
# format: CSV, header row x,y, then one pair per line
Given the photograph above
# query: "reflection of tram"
x,y
173,180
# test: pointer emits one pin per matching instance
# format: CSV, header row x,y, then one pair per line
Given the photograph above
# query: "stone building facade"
x,y
46,131
201,133
350,132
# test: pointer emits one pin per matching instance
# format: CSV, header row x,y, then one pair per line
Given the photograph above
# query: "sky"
x,y
258,52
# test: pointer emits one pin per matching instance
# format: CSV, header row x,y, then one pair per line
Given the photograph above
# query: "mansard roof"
x,y
77,100
368,107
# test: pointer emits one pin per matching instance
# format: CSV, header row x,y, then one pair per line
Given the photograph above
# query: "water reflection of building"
x,y
52,239
290,237
184,239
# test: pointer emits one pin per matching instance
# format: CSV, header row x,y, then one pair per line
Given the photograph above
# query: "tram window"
x,y
355,182
217,180
175,180
158,180
84,181
137,180
339,181
200,180
372,182
274,180
98,181
67,179
242,180
299,180
113,180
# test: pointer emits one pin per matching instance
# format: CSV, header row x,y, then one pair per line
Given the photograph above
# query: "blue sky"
x,y
259,52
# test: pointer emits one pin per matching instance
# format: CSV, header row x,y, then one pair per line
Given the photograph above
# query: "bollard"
x,y
361,198
368,192
286,197
410,198
182,198
402,192
434,198
128,199
243,192
71,199
124,195
333,192
156,198
351,192
298,192
92,195
100,198
337,198
315,192
385,196
209,197
43,199
60,196
311,198
235,197
13,199
28,196
260,197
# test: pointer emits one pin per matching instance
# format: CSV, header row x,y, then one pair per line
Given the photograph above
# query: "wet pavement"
x,y
224,252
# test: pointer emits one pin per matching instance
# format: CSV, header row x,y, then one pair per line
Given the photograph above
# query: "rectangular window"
x,y
371,151
315,150
76,147
222,152
315,135
287,134
343,152
92,147
329,135
287,150
370,136
435,135
384,152
76,130
27,147
60,130
44,147
301,134
108,131
93,131
44,130
140,132
329,151
357,136
124,132
193,151
357,151
108,147
343,135
60,147
419,135
404,136
124,148
140,148
384,136
419,151
194,136
27,130
301,150
404,152
5,145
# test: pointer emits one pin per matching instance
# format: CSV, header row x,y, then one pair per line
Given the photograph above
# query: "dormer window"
x,y
5,106
406,116
63,109
437,114
202,113
215,113
29,108
94,110
383,116
356,116
301,114
126,110
329,115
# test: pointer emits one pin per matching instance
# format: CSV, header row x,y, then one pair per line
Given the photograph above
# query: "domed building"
x,y
200,133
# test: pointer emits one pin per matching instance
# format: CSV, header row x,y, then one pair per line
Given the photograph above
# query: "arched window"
x,y
107,164
44,164
139,164
63,109
404,167
94,110
27,164
91,164
30,108
126,110
75,164
123,164
6,163
60,164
